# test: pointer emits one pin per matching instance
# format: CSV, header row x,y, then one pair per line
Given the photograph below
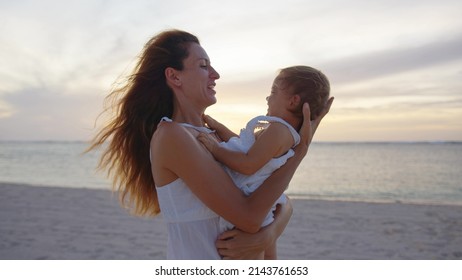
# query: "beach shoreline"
x,y
39,222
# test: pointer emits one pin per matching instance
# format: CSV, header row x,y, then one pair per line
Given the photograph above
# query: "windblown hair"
x,y
138,106
310,84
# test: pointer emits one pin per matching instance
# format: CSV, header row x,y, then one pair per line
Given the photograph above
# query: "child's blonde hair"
x,y
309,83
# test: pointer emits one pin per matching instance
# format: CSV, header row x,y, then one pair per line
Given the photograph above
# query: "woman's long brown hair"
x,y
137,107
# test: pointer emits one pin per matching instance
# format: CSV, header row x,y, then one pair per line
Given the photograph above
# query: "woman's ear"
x,y
171,76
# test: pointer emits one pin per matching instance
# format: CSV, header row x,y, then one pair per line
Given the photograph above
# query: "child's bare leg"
x,y
271,252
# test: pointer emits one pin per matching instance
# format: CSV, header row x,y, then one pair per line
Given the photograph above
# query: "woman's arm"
x,y
236,244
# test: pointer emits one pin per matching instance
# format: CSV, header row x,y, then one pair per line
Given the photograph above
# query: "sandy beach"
x,y
63,223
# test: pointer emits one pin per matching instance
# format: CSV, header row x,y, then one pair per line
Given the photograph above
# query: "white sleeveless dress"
x,y
249,183
192,227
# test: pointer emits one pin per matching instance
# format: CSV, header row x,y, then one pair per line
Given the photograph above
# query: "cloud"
x,y
38,114
60,58
394,61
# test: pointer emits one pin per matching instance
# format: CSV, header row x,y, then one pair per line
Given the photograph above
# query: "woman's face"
x,y
198,77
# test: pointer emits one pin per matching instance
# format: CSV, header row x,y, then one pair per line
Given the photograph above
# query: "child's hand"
x,y
223,133
211,122
209,141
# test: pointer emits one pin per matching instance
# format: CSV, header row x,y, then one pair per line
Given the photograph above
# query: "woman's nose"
x,y
214,73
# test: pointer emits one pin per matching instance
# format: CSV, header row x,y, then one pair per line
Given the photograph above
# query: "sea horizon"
x,y
420,172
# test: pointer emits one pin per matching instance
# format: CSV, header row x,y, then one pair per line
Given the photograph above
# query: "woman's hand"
x,y
315,123
309,127
238,245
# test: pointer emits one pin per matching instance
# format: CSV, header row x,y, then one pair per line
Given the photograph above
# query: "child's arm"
x,y
274,141
223,132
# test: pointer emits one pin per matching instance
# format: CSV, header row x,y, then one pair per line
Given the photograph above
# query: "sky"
x,y
395,67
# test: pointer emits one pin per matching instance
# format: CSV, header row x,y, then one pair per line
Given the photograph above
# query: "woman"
x,y
161,166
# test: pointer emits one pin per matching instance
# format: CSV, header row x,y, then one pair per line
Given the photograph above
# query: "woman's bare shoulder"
x,y
170,143
166,129
168,139
168,133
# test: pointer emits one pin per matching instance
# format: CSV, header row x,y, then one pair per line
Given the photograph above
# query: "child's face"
x,y
278,100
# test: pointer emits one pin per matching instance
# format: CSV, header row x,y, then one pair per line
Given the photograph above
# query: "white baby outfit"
x,y
249,183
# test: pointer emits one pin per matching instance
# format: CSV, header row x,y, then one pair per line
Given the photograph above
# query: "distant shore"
x,y
65,223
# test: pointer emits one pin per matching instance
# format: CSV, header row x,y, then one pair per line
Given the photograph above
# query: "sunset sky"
x,y
395,67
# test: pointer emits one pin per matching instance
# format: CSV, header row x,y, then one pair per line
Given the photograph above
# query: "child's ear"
x,y
295,101
172,77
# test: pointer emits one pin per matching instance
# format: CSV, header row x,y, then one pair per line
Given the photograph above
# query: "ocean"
x,y
421,172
